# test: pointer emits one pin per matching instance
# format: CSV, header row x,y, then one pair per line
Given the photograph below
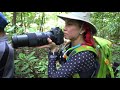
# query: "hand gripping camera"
x,y
38,39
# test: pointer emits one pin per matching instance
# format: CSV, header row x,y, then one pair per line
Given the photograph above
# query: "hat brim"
x,y
92,26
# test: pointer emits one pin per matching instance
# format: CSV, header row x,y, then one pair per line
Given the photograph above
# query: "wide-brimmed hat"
x,y
81,16
3,21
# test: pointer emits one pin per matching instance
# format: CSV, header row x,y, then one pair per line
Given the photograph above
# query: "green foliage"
x,y
42,68
116,57
116,53
29,66
118,74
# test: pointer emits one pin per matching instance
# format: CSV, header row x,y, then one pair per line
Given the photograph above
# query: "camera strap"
x,y
3,60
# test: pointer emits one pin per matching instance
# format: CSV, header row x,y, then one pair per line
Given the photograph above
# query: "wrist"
x,y
54,50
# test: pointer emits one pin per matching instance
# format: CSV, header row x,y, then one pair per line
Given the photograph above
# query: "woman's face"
x,y
71,29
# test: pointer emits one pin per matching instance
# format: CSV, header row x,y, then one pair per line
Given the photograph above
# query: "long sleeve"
x,y
81,62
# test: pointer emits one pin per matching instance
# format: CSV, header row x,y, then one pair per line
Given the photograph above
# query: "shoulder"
x,y
10,47
84,55
4,45
87,52
86,59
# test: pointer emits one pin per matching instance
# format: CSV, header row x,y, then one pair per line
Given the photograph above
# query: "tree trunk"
x,y
21,15
14,20
42,22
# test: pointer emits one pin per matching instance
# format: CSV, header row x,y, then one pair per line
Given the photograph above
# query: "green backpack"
x,y
103,49
103,52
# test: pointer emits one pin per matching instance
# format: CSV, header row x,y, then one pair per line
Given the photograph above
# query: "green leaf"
x,y
41,69
34,60
30,55
31,76
27,71
31,58
11,29
25,67
118,68
118,75
37,67
22,56
16,61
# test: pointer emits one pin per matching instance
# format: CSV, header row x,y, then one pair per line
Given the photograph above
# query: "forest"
x,y
31,62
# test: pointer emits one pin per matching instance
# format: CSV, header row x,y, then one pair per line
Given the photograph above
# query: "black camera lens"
x,y
38,39
20,41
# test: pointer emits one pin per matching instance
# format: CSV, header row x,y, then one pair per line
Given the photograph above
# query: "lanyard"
x,y
65,54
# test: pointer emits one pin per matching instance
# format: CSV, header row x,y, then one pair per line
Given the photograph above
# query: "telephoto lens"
x,y
38,39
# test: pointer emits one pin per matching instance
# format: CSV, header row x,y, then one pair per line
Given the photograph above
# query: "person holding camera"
x,y
6,51
75,63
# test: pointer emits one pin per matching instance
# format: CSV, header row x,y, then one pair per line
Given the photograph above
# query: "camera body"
x,y
38,39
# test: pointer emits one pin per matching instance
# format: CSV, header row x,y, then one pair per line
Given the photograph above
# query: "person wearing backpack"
x,y
78,58
6,51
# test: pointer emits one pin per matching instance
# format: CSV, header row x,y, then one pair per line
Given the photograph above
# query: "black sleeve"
x,y
83,61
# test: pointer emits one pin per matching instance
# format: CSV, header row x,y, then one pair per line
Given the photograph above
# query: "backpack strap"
x,y
82,48
4,60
